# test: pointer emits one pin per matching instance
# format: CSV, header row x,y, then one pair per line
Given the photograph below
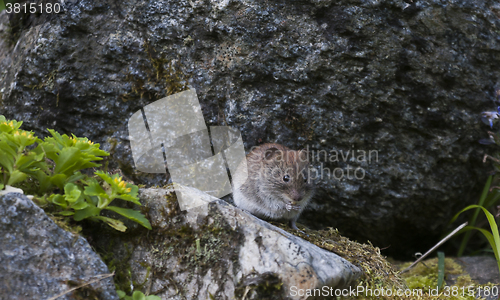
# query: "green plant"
x,y
136,295
473,218
491,191
493,237
16,160
51,170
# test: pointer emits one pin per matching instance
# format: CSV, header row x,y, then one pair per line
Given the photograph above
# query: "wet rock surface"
x,y
406,79
482,269
40,260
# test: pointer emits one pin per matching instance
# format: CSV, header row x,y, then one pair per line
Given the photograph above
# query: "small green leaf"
x,y
6,160
105,177
58,180
16,176
116,224
80,204
66,213
58,200
68,157
71,192
130,198
153,297
7,145
39,156
121,294
26,161
1,186
93,188
57,139
90,211
75,177
131,214
92,200
138,295
44,181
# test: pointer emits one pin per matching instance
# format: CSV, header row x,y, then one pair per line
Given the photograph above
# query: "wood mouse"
x,y
273,183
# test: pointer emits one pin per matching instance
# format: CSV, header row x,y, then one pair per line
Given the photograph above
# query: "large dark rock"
x,y
40,260
405,79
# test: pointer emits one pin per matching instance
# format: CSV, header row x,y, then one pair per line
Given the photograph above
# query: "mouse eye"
x,y
286,178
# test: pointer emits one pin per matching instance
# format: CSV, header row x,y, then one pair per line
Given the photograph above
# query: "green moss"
x,y
295,121
260,286
205,248
377,271
161,72
48,82
424,277
120,265
213,245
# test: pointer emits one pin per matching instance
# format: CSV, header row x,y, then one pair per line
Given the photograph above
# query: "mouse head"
x,y
286,174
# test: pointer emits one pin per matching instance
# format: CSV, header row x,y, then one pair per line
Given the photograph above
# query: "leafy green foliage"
x,y
136,295
51,170
493,237
485,198
490,196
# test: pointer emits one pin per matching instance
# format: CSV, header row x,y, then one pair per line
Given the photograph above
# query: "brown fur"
x,y
276,186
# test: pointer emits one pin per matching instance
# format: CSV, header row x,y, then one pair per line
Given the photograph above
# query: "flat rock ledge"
x,y
217,251
40,260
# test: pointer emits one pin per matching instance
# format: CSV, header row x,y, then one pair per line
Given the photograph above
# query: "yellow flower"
x,y
121,184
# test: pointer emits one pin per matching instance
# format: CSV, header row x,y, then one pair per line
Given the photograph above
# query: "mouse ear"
x,y
271,152
304,155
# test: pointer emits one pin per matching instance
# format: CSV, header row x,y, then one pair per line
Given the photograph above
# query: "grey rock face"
x,y
407,80
217,250
39,260
482,269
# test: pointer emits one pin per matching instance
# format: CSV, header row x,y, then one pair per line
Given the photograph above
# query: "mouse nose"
x,y
295,195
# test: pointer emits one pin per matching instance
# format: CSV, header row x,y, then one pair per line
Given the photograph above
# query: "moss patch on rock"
x,y
380,275
163,77
377,271
213,245
424,277
267,286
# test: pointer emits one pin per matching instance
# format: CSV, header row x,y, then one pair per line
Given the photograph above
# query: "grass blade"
x,y
473,219
440,269
493,237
